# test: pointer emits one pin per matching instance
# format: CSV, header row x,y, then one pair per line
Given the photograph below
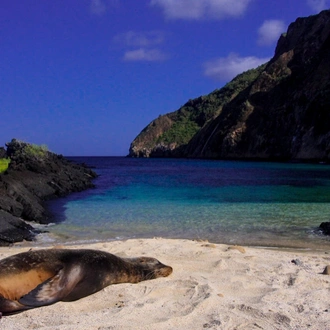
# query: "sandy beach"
x,y
212,286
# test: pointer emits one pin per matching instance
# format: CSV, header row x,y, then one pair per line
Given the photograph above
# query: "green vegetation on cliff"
x,y
192,116
27,151
180,133
34,150
4,163
180,126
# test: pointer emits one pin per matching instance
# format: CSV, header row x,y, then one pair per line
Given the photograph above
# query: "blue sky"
x,y
86,76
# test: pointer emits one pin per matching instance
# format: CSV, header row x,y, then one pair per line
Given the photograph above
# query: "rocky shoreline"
x,y
34,176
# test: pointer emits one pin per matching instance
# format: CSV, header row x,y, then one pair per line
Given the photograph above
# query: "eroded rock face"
x,y
146,143
283,114
31,179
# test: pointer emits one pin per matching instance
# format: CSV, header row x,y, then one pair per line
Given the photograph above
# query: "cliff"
x,y
34,175
168,135
280,113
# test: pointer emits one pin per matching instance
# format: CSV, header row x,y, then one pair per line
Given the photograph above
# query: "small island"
x,y
29,176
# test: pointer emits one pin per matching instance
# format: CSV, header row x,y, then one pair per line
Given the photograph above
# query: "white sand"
x,y
212,287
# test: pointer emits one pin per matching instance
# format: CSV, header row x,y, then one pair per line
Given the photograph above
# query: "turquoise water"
x,y
250,203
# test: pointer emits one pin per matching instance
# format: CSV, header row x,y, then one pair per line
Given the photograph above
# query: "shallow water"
x,y
250,203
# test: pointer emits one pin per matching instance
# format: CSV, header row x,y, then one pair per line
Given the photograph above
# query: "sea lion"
x,y
43,277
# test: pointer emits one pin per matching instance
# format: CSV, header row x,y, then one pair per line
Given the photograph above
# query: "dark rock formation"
x,y
3,152
325,228
34,175
283,114
13,229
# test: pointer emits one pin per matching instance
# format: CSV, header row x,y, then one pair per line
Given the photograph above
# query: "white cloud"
x,y
98,7
140,39
145,54
198,9
318,5
270,31
226,68
144,44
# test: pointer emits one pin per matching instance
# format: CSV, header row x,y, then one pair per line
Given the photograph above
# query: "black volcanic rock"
x,y
325,228
3,153
13,229
281,114
35,175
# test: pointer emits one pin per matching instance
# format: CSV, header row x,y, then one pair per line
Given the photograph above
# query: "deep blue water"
x,y
250,203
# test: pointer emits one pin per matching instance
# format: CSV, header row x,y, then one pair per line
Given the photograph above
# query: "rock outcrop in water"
x,y
34,175
325,228
279,112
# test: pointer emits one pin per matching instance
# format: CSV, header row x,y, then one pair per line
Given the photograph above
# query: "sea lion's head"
x,y
152,268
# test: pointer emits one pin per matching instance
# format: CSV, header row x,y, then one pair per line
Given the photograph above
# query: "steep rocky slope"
x,y
168,135
283,113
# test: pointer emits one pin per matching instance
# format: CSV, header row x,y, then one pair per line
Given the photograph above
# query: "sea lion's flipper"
x,y
53,289
9,306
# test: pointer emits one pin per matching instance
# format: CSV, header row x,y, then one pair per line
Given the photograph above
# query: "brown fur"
x,y
42,277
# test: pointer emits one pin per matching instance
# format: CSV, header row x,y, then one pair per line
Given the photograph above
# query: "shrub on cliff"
x,y
33,150
180,133
28,156
4,163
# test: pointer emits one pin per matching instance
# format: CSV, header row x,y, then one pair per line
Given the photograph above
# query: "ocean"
x,y
232,202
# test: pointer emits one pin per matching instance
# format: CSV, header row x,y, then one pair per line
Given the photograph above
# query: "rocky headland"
x,y
279,111
34,175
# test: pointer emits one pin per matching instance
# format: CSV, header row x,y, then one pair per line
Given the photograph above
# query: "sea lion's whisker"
x,y
150,275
